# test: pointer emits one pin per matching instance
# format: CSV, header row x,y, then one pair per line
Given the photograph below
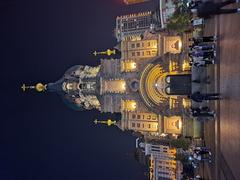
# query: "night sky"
x,y
41,138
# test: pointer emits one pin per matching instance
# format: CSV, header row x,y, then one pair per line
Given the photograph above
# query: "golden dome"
x,y
40,87
110,122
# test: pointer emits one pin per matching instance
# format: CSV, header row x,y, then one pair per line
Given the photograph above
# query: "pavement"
x,y
222,136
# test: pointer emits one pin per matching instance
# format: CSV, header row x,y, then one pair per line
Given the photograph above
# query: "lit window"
x,y
154,52
148,52
129,105
154,45
154,117
149,117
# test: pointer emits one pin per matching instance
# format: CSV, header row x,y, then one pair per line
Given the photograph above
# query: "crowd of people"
x,y
200,154
202,53
206,9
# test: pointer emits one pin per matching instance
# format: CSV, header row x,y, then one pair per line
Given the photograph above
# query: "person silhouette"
x,y
209,8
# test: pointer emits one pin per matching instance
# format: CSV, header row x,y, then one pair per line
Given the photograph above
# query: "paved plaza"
x,y
222,135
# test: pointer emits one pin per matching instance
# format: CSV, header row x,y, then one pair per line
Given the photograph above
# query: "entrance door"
x,y
179,84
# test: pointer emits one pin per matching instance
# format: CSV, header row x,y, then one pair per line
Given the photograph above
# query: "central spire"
x,y
39,87
78,87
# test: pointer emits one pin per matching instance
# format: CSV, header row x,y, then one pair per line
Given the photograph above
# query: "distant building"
x,y
162,161
133,26
129,2
165,169
166,9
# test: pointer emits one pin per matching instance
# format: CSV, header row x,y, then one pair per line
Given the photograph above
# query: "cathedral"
x,y
148,85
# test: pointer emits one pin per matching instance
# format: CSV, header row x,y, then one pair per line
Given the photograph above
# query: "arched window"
x,y
168,90
168,79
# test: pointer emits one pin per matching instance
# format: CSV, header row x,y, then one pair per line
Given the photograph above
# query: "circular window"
x,y
134,85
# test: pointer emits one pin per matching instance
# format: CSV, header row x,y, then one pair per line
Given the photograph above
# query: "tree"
x,y
179,22
181,18
180,143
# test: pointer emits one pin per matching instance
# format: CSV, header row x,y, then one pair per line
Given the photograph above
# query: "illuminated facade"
x,y
140,49
152,45
162,161
149,90
165,169
155,84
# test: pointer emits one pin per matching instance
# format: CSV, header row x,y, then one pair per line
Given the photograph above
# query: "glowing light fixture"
x,y
180,125
180,44
129,105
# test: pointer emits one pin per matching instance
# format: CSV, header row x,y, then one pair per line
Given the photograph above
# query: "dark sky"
x,y
41,138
